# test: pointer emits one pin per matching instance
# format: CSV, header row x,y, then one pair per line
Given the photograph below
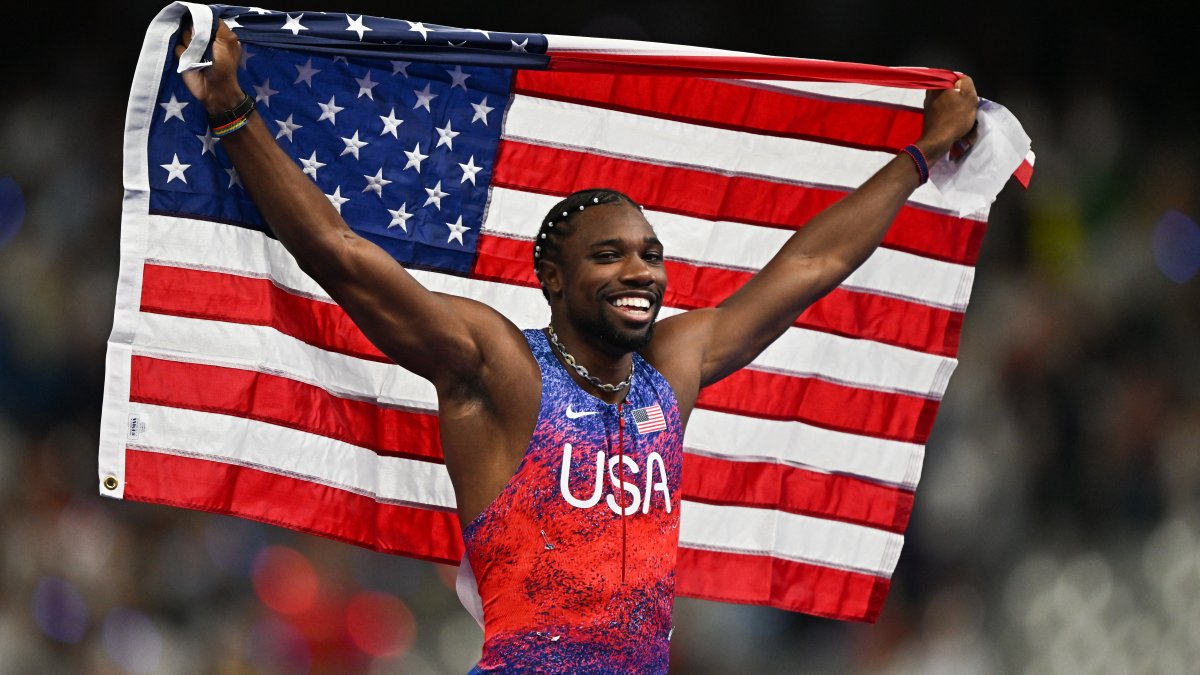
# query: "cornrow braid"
x,y
556,226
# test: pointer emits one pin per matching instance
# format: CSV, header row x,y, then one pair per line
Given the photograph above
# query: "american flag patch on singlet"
x,y
649,419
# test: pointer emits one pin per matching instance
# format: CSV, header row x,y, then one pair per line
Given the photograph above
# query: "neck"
x,y
598,358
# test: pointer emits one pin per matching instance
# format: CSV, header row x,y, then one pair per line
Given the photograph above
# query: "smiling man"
x,y
564,444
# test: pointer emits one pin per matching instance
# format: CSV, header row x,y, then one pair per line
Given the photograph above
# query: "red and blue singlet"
x,y
574,561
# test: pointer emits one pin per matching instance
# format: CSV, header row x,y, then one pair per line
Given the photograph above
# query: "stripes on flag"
x,y
257,396
649,419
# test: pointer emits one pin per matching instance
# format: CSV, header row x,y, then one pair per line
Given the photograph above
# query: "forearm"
x,y
299,214
837,241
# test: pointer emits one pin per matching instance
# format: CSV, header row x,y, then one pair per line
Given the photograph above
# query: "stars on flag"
x,y
311,165
174,108
375,183
293,24
208,141
357,26
175,169
458,78
457,229
365,85
286,127
459,130
390,124
469,170
330,110
263,93
400,217
418,27
353,145
415,158
424,97
435,195
445,136
481,111
337,199
306,73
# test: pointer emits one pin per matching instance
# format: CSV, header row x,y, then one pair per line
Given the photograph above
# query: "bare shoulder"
x,y
677,351
502,354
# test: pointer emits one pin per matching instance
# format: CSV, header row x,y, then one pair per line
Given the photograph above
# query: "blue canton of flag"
x,y
402,149
649,419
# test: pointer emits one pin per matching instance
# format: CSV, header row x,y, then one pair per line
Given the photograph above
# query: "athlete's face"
x,y
613,277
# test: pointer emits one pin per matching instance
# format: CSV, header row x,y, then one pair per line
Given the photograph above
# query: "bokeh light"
x,y
273,646
380,624
1177,246
59,610
12,209
132,641
285,580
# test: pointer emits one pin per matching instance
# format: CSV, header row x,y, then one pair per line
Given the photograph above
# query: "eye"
x,y
605,256
653,256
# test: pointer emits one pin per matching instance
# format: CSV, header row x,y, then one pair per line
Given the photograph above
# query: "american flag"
x,y
649,419
235,385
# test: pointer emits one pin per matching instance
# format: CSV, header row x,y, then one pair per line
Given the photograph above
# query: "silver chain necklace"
x,y
583,372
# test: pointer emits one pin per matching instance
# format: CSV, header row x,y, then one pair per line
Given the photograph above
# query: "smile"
x,y
635,307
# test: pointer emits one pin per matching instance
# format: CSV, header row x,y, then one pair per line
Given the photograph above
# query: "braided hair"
x,y
557,226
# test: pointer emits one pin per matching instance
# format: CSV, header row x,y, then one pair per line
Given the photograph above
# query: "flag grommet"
x,y
110,483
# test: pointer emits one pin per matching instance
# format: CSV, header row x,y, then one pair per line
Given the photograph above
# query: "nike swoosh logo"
x,y
572,415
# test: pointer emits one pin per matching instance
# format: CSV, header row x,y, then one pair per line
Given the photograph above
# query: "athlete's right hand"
x,y
216,87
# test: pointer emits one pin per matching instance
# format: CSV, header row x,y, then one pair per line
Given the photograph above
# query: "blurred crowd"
x,y
1056,527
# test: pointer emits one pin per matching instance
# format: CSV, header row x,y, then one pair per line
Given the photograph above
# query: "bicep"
x,y
431,334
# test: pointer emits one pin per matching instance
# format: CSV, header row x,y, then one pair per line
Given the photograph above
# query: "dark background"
x,y
1056,527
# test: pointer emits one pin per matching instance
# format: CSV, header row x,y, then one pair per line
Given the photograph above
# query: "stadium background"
x,y
1056,527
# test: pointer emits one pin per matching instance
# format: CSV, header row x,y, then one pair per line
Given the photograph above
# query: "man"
x,y
564,444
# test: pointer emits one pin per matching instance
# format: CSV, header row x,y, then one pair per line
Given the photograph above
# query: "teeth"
x,y
639,303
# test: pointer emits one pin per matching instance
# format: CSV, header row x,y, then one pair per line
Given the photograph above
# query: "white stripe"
x,y
798,351
789,536
297,454
724,151
747,439
262,349
849,91
750,247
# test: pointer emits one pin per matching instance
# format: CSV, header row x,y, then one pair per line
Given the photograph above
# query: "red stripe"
x,y
758,393
292,503
746,392
809,493
751,67
733,106
710,195
848,313
284,402
795,586
1024,173
250,300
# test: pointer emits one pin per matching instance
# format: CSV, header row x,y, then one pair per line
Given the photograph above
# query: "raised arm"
x,y
437,336
814,261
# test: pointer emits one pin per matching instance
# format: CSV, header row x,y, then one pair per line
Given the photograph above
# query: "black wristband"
x,y
238,111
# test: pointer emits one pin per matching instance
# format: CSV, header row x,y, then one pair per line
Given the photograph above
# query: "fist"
x,y
949,116
216,87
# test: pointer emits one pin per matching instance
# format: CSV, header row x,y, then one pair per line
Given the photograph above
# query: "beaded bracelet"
x,y
231,120
918,158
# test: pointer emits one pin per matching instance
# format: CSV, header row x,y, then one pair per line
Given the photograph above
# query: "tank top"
x,y
574,561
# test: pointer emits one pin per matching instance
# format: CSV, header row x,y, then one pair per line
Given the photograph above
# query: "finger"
x,y
185,39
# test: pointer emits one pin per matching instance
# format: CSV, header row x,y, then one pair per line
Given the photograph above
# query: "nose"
x,y
637,272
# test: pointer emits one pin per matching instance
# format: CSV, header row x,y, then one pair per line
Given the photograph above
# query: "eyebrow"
x,y
650,241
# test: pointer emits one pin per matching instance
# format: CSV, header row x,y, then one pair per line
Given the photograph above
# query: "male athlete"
x,y
564,445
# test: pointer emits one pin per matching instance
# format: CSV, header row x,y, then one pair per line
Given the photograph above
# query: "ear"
x,y
551,276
